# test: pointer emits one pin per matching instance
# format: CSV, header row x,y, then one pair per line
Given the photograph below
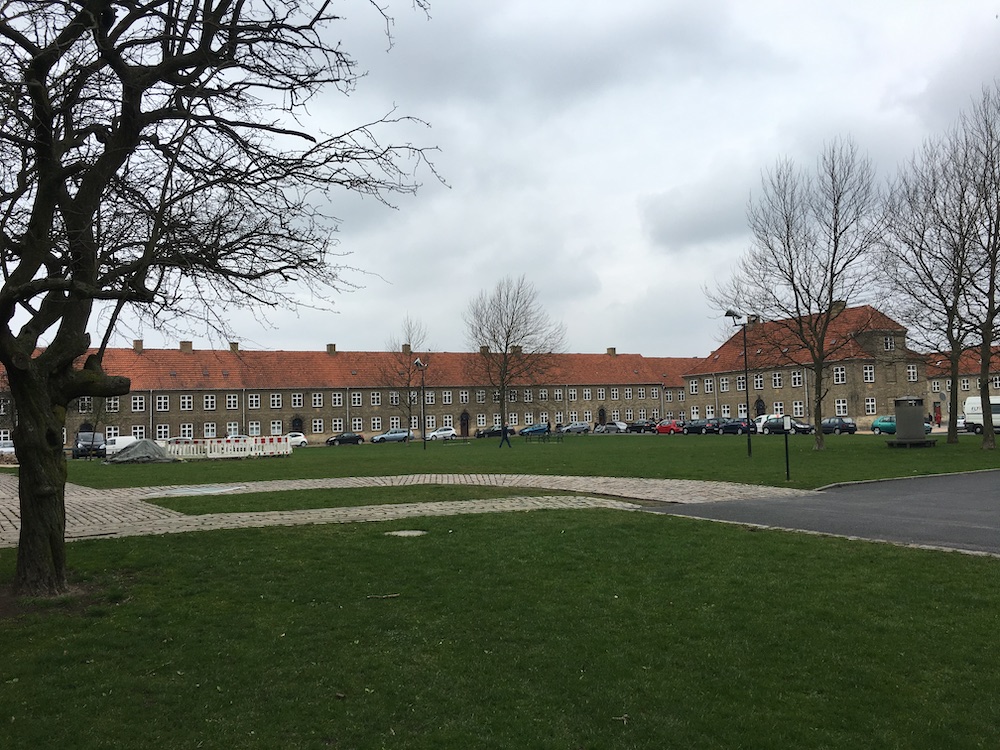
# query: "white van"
x,y
115,444
759,421
974,414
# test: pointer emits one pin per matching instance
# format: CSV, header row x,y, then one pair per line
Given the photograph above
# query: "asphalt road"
x,y
960,511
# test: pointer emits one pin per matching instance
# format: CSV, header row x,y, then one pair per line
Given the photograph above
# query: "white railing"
x,y
229,447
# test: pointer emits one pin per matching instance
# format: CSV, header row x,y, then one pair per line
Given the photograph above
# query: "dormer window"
x,y
888,343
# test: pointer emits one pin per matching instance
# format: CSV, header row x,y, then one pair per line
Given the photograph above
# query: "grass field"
x,y
585,629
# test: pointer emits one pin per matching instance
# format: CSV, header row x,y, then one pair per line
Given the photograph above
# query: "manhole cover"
x,y
406,532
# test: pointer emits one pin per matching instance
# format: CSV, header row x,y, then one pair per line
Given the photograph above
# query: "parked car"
x,y
442,433
669,427
642,425
694,426
88,444
610,428
488,432
345,438
838,425
393,435
581,427
774,426
738,426
297,439
6,447
887,424
535,429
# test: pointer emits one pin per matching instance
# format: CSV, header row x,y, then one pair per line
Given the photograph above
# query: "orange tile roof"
x,y
209,369
938,365
771,344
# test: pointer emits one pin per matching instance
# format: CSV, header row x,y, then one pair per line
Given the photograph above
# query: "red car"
x,y
669,427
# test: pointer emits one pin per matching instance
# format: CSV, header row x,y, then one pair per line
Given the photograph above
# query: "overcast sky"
x,y
607,151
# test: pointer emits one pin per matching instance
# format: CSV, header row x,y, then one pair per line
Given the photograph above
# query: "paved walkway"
x,y
92,513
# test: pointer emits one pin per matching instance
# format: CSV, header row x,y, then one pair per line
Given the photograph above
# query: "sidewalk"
x,y
92,513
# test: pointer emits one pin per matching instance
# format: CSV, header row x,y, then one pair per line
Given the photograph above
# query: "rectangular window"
x,y
668,396
357,424
870,405
709,385
317,426
187,402
936,386
187,430
726,412
741,382
429,397
431,422
557,394
543,394
889,343
393,398
446,397
559,417
209,402
337,425
571,394
512,417
376,398
614,394
232,401
628,394
680,394
615,415
741,410
394,423
109,432
839,375
86,404
138,403
276,404
573,417
480,397
586,394
964,383
694,412
868,373
641,393
777,381
317,401
654,393
139,431
911,373
414,422
232,428
840,407
527,396
356,398
447,420
600,394
253,401
463,397
778,408
709,412
208,429
111,404
798,408
511,396
337,400
297,400
480,420
162,431
796,378
694,387
253,429
163,403
758,382
376,423
723,384
496,397
276,427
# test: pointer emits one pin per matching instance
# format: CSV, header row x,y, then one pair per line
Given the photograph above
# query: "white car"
x,y
581,427
442,433
297,439
6,447
115,444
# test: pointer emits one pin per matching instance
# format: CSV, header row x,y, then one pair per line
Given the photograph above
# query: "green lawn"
x,y
550,629
723,458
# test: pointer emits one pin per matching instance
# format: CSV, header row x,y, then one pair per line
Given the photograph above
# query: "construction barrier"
x,y
228,447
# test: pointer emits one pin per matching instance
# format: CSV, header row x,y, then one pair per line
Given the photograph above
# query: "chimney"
x,y
137,346
752,320
187,347
612,352
234,346
331,349
837,308
515,350
406,350
484,350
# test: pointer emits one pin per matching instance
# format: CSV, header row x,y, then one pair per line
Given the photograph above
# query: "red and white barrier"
x,y
228,447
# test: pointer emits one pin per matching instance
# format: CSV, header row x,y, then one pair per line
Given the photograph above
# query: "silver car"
x,y
394,435
581,427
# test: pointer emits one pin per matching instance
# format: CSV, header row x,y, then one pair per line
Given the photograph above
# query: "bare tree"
x,y
981,126
813,235
511,337
156,158
401,370
930,250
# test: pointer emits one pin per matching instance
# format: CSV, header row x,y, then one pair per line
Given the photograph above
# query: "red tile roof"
x,y
771,344
938,365
180,369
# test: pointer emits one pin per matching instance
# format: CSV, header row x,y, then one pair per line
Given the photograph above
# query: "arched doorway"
x,y
602,416
296,425
759,407
463,424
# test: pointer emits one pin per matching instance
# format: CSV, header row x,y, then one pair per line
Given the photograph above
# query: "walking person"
x,y
505,436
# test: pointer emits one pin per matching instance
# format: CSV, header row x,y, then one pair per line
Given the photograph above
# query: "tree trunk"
x,y
820,442
38,440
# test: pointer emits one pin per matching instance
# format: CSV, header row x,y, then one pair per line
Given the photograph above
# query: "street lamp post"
x,y
746,374
423,401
